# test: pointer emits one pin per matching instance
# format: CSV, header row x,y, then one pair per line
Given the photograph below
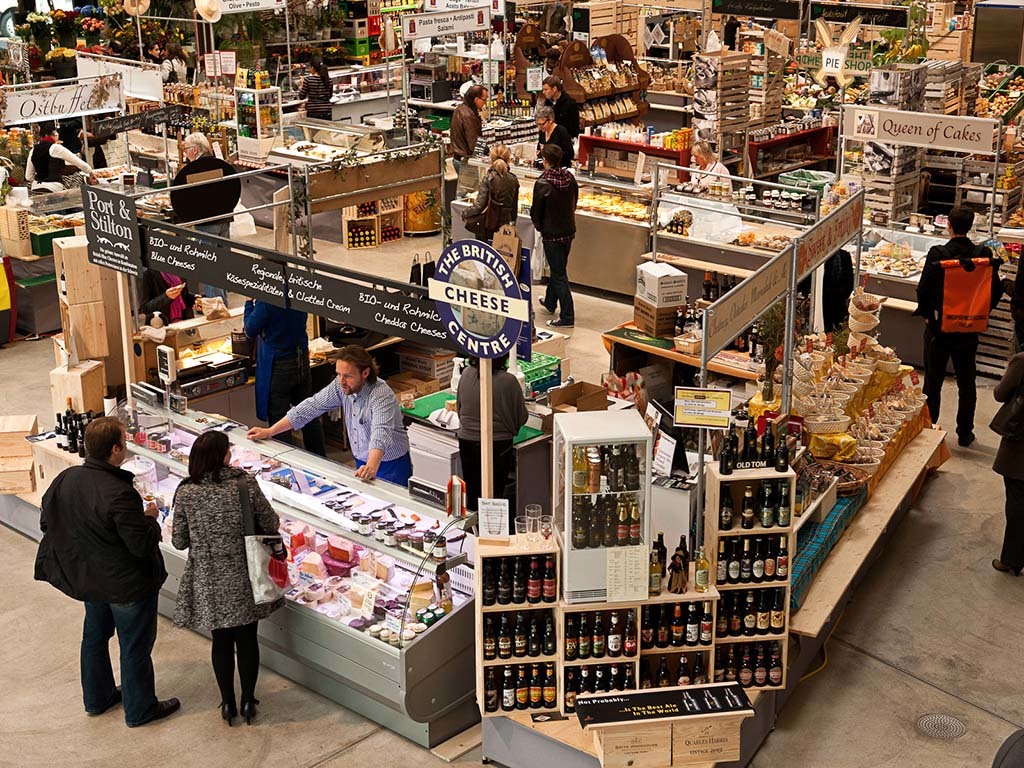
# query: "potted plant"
x,y
65,25
42,30
63,62
92,28
771,328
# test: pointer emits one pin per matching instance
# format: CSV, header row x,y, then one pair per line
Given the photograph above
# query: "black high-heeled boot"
x,y
229,712
249,710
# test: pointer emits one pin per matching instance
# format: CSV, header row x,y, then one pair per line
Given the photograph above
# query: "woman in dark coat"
x,y
1008,463
500,186
167,294
215,594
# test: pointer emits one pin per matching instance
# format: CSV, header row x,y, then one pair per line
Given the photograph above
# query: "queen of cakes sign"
x,y
919,129
479,298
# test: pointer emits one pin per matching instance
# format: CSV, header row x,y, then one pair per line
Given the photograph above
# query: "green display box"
x,y
42,245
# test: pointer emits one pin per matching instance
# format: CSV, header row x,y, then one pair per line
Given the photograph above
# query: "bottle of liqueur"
x,y
702,572
654,574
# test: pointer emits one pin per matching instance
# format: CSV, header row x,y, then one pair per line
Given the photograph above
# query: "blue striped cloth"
x,y
372,418
815,541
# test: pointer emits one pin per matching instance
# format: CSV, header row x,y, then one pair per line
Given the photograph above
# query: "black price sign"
x,y
763,9
147,119
870,15
654,704
113,230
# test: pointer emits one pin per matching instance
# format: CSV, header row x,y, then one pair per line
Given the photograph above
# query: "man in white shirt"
x,y
46,163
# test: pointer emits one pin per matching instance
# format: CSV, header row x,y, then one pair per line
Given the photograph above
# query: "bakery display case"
x,y
611,224
378,614
311,141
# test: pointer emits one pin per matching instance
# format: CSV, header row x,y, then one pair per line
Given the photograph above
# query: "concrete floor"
x,y
933,629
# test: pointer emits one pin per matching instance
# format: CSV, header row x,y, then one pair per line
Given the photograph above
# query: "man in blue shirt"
x,y
373,419
282,368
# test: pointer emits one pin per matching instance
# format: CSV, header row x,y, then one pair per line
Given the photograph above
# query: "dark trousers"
x,y
962,349
135,624
226,643
558,293
1013,538
503,458
290,384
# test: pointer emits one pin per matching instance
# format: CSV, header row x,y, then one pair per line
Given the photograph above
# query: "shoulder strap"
x,y
248,523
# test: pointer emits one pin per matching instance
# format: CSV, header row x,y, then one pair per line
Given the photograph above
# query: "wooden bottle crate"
x,y
71,256
85,384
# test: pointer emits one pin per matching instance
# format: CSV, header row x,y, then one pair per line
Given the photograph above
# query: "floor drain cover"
x,y
942,727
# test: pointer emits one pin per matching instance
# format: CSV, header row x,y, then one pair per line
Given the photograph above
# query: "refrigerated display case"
x,y
364,622
258,121
601,504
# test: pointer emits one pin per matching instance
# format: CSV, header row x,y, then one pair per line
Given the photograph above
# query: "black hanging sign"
x,y
870,15
655,704
147,119
762,9
112,228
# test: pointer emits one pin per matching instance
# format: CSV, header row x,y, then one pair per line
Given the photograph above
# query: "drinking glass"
x,y
521,529
533,514
546,526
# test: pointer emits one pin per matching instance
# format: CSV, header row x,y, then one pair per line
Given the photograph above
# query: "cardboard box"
x,y
84,384
661,284
434,364
652,320
580,396
417,383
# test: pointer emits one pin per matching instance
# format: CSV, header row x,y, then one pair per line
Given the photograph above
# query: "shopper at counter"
x,y
941,347
467,125
101,547
167,294
45,168
567,111
553,133
498,188
509,408
214,594
553,213
1008,464
316,88
282,368
174,67
373,419
706,159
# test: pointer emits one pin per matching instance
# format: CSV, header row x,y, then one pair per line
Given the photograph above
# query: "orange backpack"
x,y
966,296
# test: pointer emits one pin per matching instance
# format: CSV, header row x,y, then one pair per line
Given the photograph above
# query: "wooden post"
x,y
486,430
127,329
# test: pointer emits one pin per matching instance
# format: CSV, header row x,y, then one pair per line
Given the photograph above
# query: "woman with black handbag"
x,y
497,199
1009,424
215,593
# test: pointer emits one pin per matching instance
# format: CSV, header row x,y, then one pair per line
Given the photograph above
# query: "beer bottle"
x,y
629,679
746,563
750,441
683,678
614,642
629,637
734,562
662,677
700,675
580,523
747,512
782,560
519,636
533,638
490,591
782,455
726,460
586,681
678,626
662,552
579,470
632,469
647,628
585,637
549,584
783,514
490,691
533,581
572,638
595,533
613,679
706,294
731,671
760,667
662,634
707,625
692,625
725,510
764,612
722,564
654,575
735,616
549,644
775,672
504,638
757,565
702,572
508,690
767,512
550,689
722,619
645,675
504,583
769,559
750,615
536,688
636,528
571,681
518,582
522,688
600,679
490,639
622,528
768,443
611,521
777,618
745,676
597,640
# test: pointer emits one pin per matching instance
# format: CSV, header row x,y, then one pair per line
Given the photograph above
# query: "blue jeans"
x,y
397,471
135,624
558,294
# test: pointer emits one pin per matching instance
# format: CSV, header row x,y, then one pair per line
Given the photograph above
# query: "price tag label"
x,y
914,378
534,79
369,599
346,605
393,622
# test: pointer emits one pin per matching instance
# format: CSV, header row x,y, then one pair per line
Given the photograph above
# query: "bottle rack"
x,y
515,548
716,485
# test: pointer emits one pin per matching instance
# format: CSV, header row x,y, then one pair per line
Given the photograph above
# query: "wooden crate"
x,y
395,219
84,384
14,222
87,325
71,256
13,431
16,475
707,740
951,46
18,249
634,746
371,223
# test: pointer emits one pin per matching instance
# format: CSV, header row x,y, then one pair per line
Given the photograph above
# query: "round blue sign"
x,y
476,294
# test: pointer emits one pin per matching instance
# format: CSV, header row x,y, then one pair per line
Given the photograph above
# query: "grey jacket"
x,y
215,592
1009,461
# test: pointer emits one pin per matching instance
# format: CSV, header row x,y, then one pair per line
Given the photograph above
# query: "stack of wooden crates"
x,y
766,79
721,111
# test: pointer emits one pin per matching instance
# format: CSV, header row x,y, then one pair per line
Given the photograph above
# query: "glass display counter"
x,y
611,225
311,141
378,614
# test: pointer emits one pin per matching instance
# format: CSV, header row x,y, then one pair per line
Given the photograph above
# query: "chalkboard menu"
x,y
762,9
870,15
113,230
654,704
147,119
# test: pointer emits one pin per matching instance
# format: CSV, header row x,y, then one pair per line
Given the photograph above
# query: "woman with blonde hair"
x,y
497,199
705,158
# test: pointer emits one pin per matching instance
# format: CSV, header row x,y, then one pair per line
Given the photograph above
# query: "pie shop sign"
x,y
479,298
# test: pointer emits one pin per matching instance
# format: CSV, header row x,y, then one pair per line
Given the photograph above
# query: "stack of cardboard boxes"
x,y
661,290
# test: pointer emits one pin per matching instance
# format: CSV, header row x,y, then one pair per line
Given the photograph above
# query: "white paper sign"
x,y
228,62
920,129
246,6
417,25
534,79
140,80
211,63
393,622
776,42
638,175
493,519
86,97
626,570
369,600
497,6
664,451
492,71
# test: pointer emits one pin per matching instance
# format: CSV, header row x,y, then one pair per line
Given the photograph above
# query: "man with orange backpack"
x,y
959,287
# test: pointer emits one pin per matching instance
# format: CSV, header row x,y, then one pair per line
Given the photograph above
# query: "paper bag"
x,y
507,243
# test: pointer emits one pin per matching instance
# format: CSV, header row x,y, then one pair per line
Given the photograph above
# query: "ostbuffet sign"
x,y
39,103
918,129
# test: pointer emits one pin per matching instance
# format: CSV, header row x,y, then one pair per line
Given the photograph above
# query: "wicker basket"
x,y
890,366
868,468
851,479
834,426
869,323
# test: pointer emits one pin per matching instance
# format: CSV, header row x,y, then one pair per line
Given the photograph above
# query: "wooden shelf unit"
x,y
713,495
515,548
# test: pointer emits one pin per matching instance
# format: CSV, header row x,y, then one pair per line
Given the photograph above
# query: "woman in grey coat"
x,y
1009,464
215,594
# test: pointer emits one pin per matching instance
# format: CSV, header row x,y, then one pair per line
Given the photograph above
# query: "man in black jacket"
x,y
940,347
567,111
101,548
553,212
